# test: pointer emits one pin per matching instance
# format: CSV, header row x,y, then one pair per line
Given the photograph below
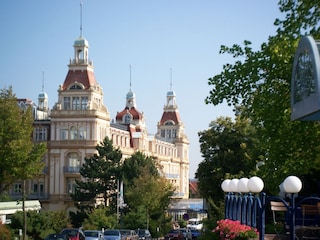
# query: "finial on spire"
x,y
81,19
170,79
42,81
130,75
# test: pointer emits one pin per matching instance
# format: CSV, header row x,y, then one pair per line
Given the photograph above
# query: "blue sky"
x,y
153,36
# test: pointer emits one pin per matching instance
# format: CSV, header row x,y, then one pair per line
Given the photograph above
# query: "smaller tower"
x,y
130,114
170,127
43,104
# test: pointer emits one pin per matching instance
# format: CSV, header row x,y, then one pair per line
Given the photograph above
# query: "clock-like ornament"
x,y
305,81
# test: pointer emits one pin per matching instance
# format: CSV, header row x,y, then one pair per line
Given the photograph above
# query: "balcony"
x,y
71,169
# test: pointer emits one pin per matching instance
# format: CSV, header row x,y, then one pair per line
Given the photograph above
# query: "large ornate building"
x,y
79,121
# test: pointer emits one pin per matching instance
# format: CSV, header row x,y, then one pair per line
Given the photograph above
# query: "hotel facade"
x,y
80,120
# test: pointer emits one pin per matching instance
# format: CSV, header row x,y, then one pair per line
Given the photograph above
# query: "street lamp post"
x,y
245,201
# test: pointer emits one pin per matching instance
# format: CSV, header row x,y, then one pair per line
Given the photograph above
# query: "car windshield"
x,y
141,232
111,233
91,234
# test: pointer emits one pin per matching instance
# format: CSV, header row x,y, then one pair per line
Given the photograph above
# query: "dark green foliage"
x,y
229,149
147,194
40,224
132,167
260,81
100,218
100,174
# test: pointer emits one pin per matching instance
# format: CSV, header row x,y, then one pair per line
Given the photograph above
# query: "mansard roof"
x,y
136,115
85,77
166,116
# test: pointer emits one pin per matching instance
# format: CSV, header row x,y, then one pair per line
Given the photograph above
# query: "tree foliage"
x,y
20,158
40,224
100,174
229,149
259,81
100,218
133,166
147,193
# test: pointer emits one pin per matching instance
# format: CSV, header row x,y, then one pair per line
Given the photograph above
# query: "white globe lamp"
x,y
292,184
233,185
255,184
225,185
243,185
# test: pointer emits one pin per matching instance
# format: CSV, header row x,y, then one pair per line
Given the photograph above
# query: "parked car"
x,y
144,234
57,236
195,233
187,235
174,234
129,234
74,233
93,235
112,234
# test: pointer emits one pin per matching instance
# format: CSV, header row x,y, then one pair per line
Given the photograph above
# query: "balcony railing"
x,y
71,169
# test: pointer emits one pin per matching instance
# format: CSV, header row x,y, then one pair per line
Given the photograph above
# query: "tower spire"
x,y
130,75
170,79
42,81
81,19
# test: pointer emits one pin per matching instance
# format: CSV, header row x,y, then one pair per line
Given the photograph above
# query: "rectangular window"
x,y
41,134
41,188
17,188
38,187
84,103
75,103
71,185
174,133
64,134
66,103
82,133
35,187
168,133
163,132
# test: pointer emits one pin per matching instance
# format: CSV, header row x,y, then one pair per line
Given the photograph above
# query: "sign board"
x,y
305,81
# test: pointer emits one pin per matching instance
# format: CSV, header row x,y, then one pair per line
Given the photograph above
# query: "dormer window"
x,y
75,87
127,118
169,123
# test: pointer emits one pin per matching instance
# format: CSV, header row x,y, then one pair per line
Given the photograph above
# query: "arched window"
x,y
82,133
73,160
169,123
127,118
75,87
73,133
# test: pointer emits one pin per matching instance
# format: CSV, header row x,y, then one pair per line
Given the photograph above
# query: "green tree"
x,y
229,149
260,81
150,195
133,166
40,224
100,218
100,174
20,158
